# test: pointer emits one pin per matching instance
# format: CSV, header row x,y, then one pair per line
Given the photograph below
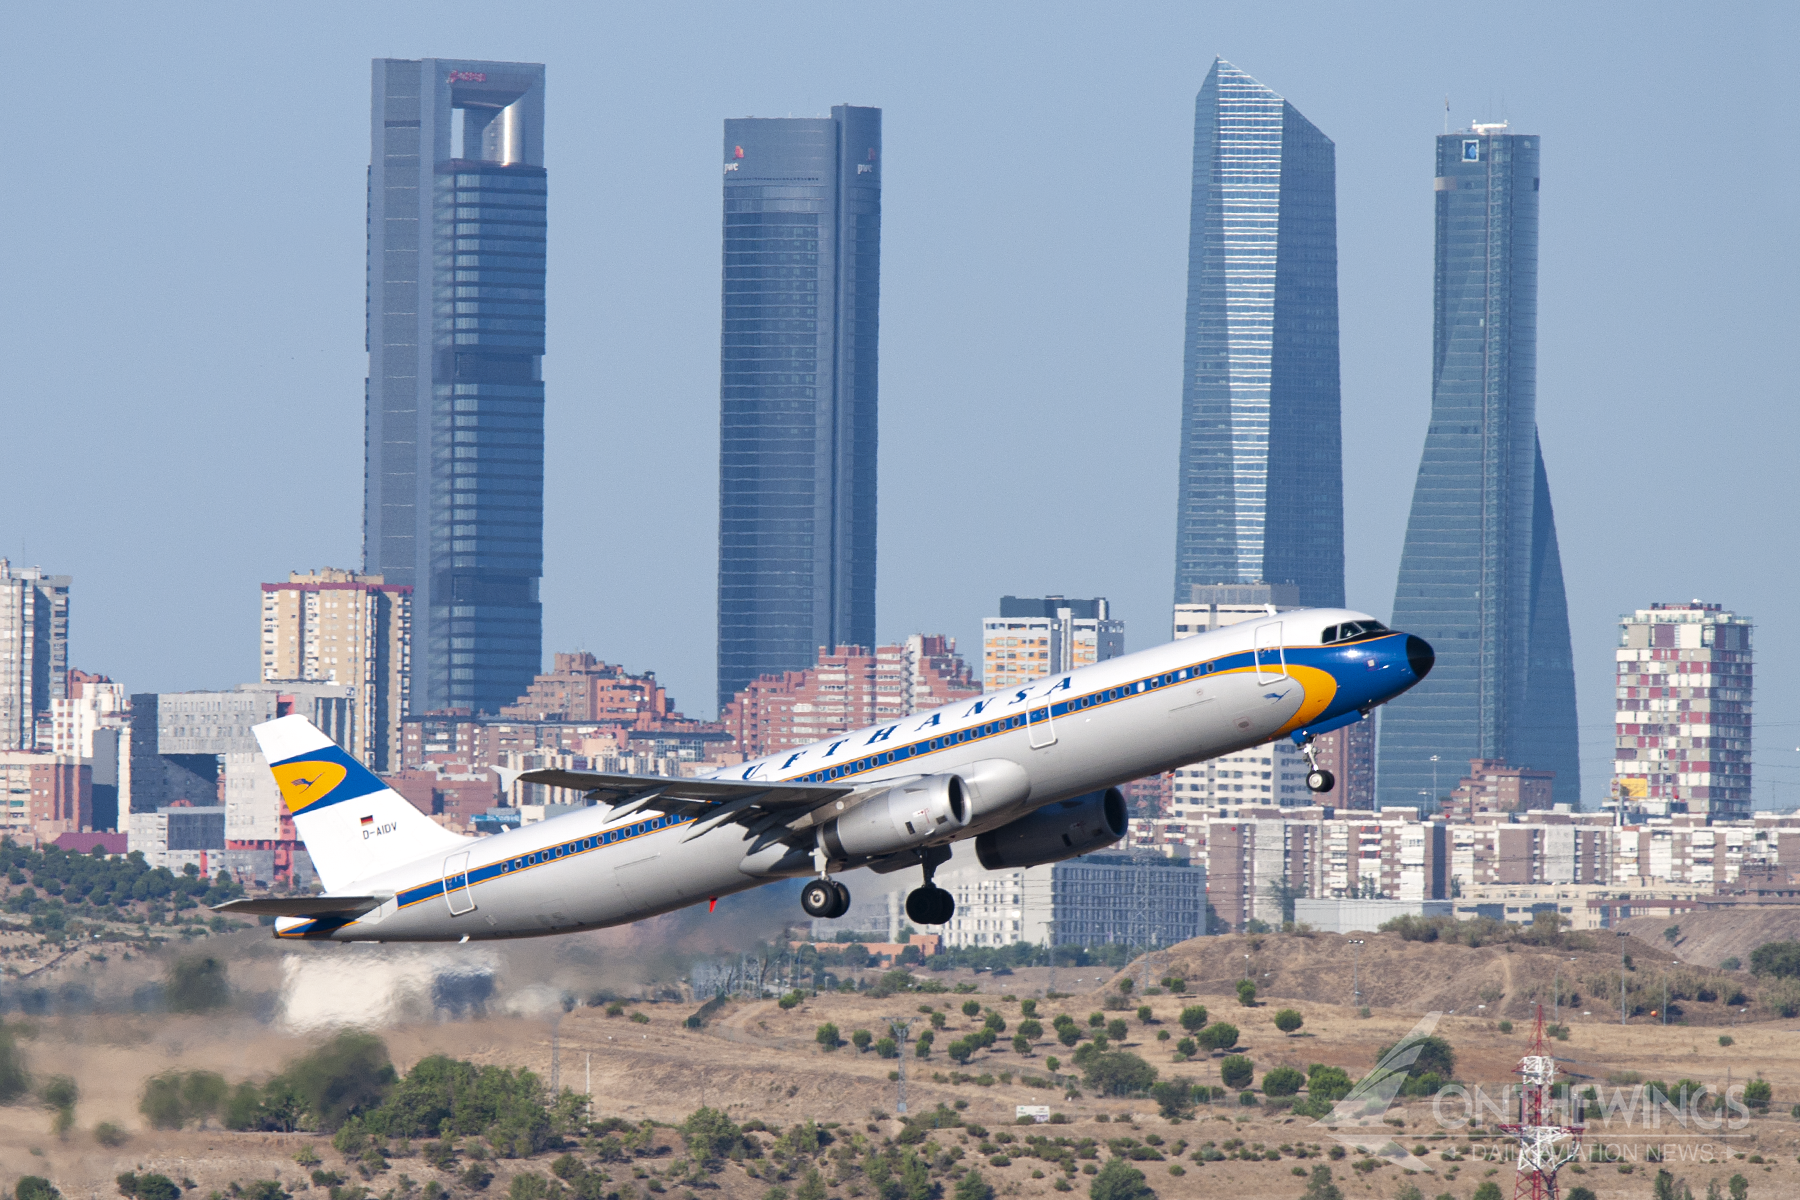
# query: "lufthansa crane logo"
x,y
304,784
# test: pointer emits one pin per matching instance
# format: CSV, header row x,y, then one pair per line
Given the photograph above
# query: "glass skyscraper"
x,y
1481,575
454,436
797,379
1262,495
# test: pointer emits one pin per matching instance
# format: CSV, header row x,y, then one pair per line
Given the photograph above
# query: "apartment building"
x,y
341,627
45,795
34,652
1492,786
1038,636
849,687
1127,897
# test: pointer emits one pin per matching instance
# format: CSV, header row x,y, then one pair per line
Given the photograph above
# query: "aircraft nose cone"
x,y
1420,656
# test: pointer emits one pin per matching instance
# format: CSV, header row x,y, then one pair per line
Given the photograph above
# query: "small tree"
x,y
711,1136
1119,1180
1115,1029
1738,1186
1235,1071
196,984
1282,1081
861,1039
1174,1098
1757,1094
812,1186
1672,934
1124,986
59,1095
1489,1190
1144,1015
961,1049
1193,1018
1320,1187
35,1187
973,1187
1288,1020
827,1036
1246,993
1219,1036
971,1007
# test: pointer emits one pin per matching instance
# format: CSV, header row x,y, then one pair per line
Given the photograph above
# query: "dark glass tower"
x,y
1481,575
797,374
453,491
1262,493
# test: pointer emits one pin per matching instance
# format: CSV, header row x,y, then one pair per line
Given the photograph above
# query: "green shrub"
x,y
1118,1073
790,1000
1779,959
1329,1084
1505,1026
1218,1036
1757,1094
711,1136
827,1036
1144,1015
1174,1098
971,1007
1119,1180
1288,1020
15,1080
1282,1081
1235,1071
1116,1030
110,1134
861,1038
196,984
1246,993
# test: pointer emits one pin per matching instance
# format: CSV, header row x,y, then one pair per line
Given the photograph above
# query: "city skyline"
x,y
1481,574
1082,300
1261,496
800,328
454,478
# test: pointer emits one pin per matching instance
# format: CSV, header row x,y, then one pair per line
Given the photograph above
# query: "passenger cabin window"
x,y
1351,631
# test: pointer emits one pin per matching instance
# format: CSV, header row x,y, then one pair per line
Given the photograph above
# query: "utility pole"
x,y
1356,945
1623,1012
900,1029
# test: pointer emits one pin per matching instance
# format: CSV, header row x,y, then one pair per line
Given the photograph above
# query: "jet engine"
x,y
898,819
1079,825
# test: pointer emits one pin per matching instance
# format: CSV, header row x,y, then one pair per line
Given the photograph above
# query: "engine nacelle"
x,y
1054,832
898,819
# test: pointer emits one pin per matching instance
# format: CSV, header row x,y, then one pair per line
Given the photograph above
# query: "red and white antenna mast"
x,y
1543,1147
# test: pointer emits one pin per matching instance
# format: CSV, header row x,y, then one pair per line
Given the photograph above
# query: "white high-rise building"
x,y
34,652
1034,637
1683,718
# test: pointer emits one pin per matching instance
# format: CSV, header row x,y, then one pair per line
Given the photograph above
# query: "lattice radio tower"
x,y
1543,1147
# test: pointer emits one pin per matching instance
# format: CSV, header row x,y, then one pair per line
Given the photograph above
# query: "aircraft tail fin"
x,y
354,826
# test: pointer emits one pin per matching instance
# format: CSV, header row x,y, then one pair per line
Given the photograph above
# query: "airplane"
x,y
1031,773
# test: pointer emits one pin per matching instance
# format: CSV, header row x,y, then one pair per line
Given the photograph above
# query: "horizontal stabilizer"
x,y
299,906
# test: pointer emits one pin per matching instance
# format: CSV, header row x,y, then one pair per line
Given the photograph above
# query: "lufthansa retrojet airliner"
x,y
1031,774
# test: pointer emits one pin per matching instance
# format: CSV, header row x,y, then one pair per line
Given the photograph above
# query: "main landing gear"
x,y
931,904
1318,779
826,898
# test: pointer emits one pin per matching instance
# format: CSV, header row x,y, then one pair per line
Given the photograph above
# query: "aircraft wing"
x,y
299,906
760,806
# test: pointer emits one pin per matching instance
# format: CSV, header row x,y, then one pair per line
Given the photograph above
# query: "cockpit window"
x,y
1351,631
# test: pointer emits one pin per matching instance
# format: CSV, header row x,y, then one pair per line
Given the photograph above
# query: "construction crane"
x,y
1543,1147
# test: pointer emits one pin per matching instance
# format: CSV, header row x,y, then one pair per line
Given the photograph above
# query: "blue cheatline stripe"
x,y
1111,695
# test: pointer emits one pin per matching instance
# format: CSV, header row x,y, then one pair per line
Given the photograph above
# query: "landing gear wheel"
x,y
819,897
843,900
930,905
1320,780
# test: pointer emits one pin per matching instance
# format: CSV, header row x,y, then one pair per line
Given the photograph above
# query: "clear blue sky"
x,y
183,311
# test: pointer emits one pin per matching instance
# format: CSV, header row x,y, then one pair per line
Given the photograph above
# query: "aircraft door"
x,y
456,884
1271,660
1040,724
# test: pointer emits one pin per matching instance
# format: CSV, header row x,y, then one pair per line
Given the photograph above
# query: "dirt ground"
x,y
757,1060
1712,936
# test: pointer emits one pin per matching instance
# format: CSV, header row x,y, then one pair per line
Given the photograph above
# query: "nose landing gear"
x,y
1318,779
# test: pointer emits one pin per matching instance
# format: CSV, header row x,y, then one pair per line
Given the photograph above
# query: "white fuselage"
x,y
1102,725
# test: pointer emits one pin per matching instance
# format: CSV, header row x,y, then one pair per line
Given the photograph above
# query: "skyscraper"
x,y
453,490
1481,575
34,653
797,379
1262,494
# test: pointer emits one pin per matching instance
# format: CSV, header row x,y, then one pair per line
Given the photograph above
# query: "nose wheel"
x,y
1318,779
825,899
